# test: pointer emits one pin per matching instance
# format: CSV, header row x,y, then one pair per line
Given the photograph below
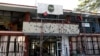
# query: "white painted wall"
x,y
65,44
41,8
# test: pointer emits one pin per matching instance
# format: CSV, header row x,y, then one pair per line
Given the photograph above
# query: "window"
x,y
4,22
15,14
9,45
91,28
10,20
1,12
87,45
7,13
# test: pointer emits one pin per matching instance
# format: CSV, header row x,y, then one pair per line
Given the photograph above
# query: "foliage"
x,y
88,5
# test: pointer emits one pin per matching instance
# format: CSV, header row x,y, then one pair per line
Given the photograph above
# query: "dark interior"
x,y
49,46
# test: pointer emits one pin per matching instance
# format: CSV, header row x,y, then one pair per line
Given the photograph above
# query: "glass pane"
x,y
14,20
94,39
59,53
15,14
3,47
95,45
84,38
4,22
99,44
1,12
73,38
98,38
74,46
79,38
89,51
89,45
12,47
12,38
11,54
20,38
89,39
59,45
79,45
4,38
96,51
6,13
73,52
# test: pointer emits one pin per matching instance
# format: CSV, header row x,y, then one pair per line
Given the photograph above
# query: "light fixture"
x,y
33,46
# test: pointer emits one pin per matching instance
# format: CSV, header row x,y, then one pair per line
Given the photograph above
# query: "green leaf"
x,y
89,4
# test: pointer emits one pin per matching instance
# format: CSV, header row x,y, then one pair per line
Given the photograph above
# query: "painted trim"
x,y
17,4
13,33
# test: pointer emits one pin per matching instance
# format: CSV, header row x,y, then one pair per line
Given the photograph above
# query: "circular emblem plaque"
x,y
50,8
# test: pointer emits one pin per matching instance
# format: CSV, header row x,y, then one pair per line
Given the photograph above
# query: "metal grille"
x,y
12,45
85,45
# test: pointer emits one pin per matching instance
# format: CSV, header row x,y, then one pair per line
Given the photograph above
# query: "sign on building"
x,y
50,9
49,28
85,24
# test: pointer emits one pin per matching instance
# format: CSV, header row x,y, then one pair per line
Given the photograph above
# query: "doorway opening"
x,y
51,46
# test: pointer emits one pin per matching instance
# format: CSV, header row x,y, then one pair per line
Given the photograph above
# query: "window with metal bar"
x,y
12,45
86,45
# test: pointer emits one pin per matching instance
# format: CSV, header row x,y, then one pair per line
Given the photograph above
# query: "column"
x,y
27,17
26,46
65,46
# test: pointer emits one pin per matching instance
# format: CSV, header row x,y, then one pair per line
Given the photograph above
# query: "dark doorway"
x,y
99,21
49,46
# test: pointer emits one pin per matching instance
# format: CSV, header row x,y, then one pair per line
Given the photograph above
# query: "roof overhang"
x,y
20,8
32,9
16,7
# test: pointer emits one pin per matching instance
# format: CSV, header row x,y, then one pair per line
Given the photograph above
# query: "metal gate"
x,y
51,46
12,44
85,45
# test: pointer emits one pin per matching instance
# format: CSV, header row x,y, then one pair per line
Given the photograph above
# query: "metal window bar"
x,y
89,47
10,46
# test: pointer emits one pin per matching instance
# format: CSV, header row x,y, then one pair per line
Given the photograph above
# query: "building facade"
x,y
24,32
